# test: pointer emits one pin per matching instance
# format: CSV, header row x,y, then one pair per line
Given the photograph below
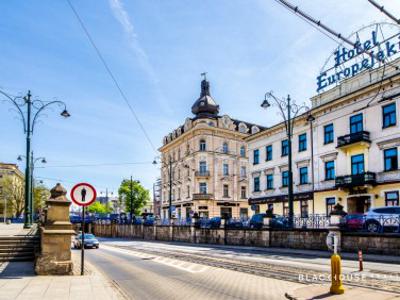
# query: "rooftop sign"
x,y
374,46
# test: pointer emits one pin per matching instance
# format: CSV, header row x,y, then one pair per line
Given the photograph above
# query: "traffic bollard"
x,y
336,270
360,260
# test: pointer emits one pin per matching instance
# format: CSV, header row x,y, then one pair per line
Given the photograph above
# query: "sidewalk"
x,y
18,281
351,293
15,230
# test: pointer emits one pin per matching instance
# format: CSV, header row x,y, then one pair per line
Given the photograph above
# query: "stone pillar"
x,y
335,224
55,233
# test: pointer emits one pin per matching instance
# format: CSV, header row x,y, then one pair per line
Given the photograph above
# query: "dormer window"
x,y
225,148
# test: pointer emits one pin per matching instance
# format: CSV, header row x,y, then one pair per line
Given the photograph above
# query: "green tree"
x,y
140,196
40,194
99,208
13,192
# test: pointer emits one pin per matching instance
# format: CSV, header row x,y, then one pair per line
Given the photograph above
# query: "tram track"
x,y
276,271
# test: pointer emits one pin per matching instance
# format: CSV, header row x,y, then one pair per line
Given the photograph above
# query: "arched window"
x,y
202,146
225,148
243,151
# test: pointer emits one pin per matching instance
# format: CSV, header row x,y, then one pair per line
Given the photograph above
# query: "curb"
x,y
291,297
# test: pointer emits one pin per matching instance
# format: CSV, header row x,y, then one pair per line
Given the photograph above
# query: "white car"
x,y
380,218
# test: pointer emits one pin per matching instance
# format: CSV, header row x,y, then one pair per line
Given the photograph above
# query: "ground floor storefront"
x,y
354,200
208,209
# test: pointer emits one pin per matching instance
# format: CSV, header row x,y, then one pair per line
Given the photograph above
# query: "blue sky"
x,y
156,50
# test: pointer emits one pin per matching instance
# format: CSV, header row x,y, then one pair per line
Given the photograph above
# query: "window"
x,y
270,182
329,170
226,190
392,198
244,213
203,187
330,203
179,153
356,123
188,191
303,142
328,134
256,183
304,208
203,167
225,148
256,157
303,175
390,159
357,164
268,153
179,193
179,174
285,147
203,145
225,170
286,208
285,178
243,172
243,192
389,115
243,151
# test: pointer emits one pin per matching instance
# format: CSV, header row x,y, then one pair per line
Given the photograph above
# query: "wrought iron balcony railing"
x,y
201,196
352,138
367,178
202,173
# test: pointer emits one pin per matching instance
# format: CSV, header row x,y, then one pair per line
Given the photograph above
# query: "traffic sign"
x,y
83,194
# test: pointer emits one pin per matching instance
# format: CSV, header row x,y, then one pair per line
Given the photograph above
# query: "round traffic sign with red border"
x,y
83,194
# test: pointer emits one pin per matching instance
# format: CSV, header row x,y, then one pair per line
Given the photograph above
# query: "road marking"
x,y
178,264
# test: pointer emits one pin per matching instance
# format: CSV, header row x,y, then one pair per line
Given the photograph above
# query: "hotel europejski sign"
x,y
372,52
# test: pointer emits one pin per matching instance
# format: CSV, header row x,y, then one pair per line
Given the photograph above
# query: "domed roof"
x,y
205,106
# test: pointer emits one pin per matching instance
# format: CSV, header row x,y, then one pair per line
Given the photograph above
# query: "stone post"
x,y
335,222
55,234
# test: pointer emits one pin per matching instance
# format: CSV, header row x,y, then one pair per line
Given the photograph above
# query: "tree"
x,y
40,194
13,192
99,208
140,196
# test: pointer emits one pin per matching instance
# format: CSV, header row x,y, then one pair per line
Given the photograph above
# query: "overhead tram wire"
x,y
383,10
96,165
110,73
306,17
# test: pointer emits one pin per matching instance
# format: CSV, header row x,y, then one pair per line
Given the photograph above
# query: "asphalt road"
x,y
147,276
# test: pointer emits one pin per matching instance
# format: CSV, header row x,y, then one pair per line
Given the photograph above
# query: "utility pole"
x,y
311,119
131,199
290,188
170,190
28,182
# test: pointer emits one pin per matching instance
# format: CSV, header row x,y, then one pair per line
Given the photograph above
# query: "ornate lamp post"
x,y
29,116
33,163
289,111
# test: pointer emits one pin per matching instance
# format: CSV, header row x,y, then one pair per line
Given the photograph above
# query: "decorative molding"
x,y
283,167
303,163
329,156
269,171
391,143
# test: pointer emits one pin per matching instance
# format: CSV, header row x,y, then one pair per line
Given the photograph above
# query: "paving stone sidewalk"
x,y
321,291
17,281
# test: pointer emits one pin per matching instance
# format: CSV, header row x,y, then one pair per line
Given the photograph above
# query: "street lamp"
x,y
33,163
289,111
29,116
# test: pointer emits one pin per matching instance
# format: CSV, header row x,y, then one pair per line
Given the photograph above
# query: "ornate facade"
x,y
207,162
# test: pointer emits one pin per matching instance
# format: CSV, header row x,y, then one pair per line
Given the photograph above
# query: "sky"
x,y
156,51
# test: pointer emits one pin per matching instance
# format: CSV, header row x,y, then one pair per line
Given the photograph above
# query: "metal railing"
x,y
355,180
348,139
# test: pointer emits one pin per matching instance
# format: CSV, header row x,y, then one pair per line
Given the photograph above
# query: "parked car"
x,y
383,218
90,241
257,221
234,224
353,221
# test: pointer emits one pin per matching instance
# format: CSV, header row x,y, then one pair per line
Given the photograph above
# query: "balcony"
x,y
201,196
347,181
202,173
353,138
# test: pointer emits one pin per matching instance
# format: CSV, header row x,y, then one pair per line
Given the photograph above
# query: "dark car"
x,y
234,224
90,241
353,221
257,221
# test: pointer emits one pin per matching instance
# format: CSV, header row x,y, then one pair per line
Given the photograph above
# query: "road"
x,y
144,276
155,270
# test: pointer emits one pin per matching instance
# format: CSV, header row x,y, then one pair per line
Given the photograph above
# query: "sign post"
x,y
83,194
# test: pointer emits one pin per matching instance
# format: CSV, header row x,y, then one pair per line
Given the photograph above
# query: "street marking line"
x,y
178,264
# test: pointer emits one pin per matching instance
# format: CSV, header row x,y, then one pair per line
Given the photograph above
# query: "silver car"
x,y
381,218
90,241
